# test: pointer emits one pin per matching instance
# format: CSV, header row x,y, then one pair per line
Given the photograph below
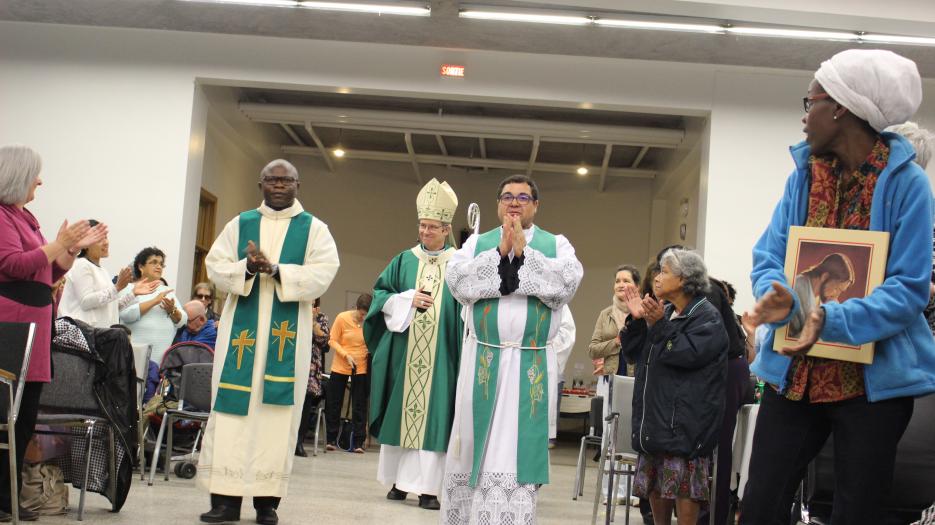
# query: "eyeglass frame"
x,y
508,199
431,228
808,102
274,180
204,296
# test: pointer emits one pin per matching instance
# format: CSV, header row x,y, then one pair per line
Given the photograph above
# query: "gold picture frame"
x,y
828,264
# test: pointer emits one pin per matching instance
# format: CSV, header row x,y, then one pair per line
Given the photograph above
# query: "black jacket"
x,y
681,372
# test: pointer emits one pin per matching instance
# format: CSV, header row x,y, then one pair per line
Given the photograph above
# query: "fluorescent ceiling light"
x,y
381,9
896,39
793,33
274,3
526,17
411,9
661,26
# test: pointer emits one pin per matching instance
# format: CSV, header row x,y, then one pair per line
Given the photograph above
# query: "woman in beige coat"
x,y
605,346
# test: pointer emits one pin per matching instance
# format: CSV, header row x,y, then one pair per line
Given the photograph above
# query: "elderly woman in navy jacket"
x,y
680,351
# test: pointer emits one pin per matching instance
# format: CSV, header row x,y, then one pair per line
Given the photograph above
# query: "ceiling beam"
x,y
292,134
321,147
432,124
483,151
412,157
533,155
605,165
441,146
473,162
639,157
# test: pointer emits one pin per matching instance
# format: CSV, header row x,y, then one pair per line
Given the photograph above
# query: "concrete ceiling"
x,y
444,29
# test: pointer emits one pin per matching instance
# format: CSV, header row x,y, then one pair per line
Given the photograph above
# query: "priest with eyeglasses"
x,y
513,282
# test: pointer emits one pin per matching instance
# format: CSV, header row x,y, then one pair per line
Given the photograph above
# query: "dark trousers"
x,y
307,407
25,426
360,397
259,502
739,392
789,434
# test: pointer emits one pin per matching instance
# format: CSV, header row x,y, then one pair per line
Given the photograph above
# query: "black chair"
x,y
194,404
15,350
69,401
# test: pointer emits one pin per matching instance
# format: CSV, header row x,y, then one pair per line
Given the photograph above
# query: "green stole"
x,y
532,461
235,385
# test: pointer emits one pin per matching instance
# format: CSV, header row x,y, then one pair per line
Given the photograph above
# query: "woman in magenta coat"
x,y
28,267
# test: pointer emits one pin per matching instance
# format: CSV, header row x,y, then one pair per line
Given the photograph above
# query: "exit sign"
x,y
452,70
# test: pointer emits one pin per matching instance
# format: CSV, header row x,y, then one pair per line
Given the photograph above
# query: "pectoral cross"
x,y
242,342
284,335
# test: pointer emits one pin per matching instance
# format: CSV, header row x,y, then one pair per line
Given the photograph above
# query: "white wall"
x,y
111,110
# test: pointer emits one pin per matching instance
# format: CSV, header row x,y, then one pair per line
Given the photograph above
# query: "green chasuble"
x,y
532,461
414,373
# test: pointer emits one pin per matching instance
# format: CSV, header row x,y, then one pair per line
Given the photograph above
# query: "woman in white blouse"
x,y
91,296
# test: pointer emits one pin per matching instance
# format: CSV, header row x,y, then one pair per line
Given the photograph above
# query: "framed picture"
x,y
831,265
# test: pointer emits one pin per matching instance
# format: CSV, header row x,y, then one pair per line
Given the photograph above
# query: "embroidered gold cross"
x,y
284,335
242,342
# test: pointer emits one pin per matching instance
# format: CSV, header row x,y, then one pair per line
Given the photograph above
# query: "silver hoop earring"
x,y
835,117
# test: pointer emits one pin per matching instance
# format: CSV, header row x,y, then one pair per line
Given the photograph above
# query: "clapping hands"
x,y
646,308
513,239
257,262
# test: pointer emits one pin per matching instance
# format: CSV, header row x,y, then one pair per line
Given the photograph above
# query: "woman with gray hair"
x,y
681,371
28,267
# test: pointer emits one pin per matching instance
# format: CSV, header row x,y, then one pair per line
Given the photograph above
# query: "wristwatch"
x,y
274,271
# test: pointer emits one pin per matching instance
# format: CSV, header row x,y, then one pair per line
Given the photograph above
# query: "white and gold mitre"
x,y
437,201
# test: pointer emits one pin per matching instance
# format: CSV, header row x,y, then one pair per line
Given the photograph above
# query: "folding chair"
x,y
13,337
194,404
69,401
617,453
592,439
141,356
320,413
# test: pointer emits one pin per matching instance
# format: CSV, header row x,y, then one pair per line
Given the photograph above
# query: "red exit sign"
x,y
452,70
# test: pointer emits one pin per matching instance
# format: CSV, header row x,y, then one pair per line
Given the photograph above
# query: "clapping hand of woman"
x,y
652,310
631,296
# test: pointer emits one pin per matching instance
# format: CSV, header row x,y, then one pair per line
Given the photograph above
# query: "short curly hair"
x,y
144,255
690,267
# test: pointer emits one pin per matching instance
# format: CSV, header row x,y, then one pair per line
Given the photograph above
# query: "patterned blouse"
x,y
835,203
319,348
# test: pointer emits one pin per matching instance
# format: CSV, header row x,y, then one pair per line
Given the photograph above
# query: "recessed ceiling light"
x,y
582,170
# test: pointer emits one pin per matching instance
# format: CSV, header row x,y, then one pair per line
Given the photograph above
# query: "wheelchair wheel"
x,y
187,470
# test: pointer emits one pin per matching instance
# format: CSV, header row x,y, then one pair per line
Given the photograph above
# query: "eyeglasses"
x,y
274,181
808,102
431,228
202,296
508,198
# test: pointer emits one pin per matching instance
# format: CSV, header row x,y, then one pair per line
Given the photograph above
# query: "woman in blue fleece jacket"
x,y
848,174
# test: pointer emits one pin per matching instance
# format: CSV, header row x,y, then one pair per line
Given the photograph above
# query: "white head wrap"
x,y
878,86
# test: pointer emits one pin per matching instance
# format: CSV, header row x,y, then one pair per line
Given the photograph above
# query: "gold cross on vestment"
x,y
243,342
284,335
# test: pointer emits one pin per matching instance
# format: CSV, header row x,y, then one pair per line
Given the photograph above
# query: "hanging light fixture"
x,y
582,170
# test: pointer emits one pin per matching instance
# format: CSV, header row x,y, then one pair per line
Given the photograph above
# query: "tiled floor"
x,y
333,488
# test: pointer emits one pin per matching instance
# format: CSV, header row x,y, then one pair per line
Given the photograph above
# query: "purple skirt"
x,y
672,477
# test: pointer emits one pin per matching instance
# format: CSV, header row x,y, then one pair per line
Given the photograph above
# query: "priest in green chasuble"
x,y
273,262
513,282
413,331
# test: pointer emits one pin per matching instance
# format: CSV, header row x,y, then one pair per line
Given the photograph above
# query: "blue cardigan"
x,y
904,357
